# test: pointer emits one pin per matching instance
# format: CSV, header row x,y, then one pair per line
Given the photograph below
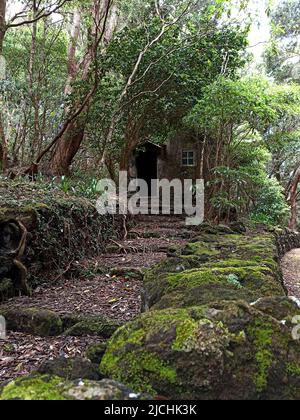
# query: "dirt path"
x,y
291,272
108,285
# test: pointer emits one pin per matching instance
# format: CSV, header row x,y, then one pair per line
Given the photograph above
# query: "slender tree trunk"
x,y
65,150
69,144
32,89
292,199
131,141
126,156
3,141
2,23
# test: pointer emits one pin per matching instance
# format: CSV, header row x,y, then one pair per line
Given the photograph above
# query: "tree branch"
x,y
41,14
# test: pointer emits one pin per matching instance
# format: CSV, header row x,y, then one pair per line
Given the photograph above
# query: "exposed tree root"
x,y
126,249
13,236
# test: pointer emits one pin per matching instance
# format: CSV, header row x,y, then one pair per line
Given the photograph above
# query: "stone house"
x,y
177,159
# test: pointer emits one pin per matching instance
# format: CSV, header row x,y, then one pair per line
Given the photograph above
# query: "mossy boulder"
x,y
52,388
70,369
34,321
215,229
223,351
127,273
92,325
46,323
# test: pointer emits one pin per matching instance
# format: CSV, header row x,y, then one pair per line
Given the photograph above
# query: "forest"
x,y
85,83
202,89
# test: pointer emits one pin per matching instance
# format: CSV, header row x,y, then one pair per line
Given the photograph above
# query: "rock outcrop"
x,y
45,323
53,388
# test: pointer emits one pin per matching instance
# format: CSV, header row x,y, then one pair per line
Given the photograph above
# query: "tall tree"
x,y
32,13
3,144
283,63
67,143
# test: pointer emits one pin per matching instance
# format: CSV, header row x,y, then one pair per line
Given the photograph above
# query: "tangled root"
x,y
13,237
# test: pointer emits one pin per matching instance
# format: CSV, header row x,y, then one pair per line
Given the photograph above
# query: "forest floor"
x,y
291,272
109,285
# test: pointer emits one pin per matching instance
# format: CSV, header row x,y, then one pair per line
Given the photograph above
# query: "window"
x,y
188,158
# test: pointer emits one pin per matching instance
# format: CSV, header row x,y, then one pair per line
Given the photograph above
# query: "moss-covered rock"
x,y
38,388
214,267
282,308
92,325
227,350
52,388
204,285
33,321
70,369
95,352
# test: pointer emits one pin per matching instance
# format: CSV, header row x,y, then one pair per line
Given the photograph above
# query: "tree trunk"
x,y
67,148
69,144
292,199
3,142
31,84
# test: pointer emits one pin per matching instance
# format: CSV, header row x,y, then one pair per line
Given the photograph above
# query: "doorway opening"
x,y
147,163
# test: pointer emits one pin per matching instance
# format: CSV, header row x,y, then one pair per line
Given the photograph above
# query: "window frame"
x,y
185,157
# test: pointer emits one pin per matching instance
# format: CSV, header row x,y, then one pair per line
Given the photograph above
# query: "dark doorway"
x,y
146,163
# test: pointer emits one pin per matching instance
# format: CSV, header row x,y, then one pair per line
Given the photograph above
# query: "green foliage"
x,y
282,55
234,281
271,206
248,120
170,77
47,81
88,187
235,102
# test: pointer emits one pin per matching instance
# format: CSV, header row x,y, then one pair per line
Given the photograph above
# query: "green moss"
x,y
250,275
137,337
261,335
191,279
293,369
264,359
241,262
200,248
96,352
41,388
151,363
140,367
126,359
185,335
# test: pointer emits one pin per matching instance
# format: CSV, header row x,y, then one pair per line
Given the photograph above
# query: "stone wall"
x,y
43,232
218,324
287,240
170,167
